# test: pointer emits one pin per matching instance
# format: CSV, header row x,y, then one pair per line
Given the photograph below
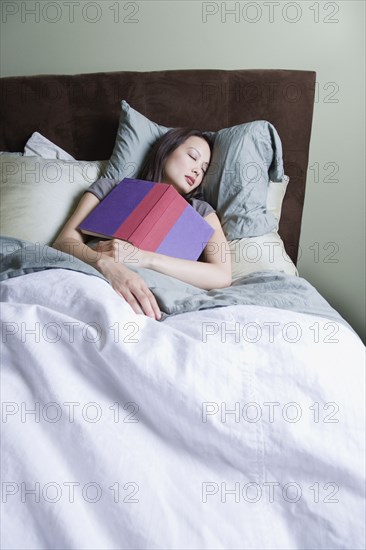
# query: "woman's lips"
x,y
190,180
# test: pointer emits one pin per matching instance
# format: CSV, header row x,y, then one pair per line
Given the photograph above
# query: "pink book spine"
x,y
164,224
129,229
156,215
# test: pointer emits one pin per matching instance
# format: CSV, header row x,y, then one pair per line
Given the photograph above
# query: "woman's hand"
x,y
129,285
124,281
123,252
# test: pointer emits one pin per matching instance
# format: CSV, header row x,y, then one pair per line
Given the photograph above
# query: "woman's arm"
x,y
213,272
125,282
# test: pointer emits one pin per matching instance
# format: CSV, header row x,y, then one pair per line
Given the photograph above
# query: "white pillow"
x,y
275,196
39,146
38,195
263,253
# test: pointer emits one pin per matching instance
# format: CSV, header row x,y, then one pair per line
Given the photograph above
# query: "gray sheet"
x,y
267,288
19,257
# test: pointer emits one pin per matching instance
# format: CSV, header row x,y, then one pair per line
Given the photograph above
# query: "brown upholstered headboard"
x,y
80,113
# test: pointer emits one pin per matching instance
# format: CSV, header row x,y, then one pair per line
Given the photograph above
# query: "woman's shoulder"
x,y
201,206
101,187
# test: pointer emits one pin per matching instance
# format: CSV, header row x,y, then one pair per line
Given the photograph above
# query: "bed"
x,y
237,421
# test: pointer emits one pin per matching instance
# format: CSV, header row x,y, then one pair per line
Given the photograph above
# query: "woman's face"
x,y
186,166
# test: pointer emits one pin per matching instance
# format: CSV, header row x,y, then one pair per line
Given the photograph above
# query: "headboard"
x,y
80,113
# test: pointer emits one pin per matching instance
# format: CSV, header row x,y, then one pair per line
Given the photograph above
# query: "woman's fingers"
x,y
132,288
130,299
139,297
148,303
154,304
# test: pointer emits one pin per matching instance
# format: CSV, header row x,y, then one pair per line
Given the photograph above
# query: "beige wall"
x,y
328,37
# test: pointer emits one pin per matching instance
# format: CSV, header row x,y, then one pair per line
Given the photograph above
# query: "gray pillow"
x,y
135,136
244,159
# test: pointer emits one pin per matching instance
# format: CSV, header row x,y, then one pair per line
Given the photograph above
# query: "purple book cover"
x,y
176,229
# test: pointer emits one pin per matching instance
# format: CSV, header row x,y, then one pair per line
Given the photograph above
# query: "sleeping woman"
x,y
180,158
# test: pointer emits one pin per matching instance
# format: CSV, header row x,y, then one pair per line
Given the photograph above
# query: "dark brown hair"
x,y
153,166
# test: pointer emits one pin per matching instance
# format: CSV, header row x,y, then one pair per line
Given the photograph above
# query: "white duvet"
x,y
233,428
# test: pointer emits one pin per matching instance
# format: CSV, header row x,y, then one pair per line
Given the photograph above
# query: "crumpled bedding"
x,y
227,428
269,288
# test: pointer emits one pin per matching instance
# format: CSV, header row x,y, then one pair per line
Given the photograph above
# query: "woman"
x,y
180,158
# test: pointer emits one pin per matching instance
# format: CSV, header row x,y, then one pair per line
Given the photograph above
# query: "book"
x,y
152,216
